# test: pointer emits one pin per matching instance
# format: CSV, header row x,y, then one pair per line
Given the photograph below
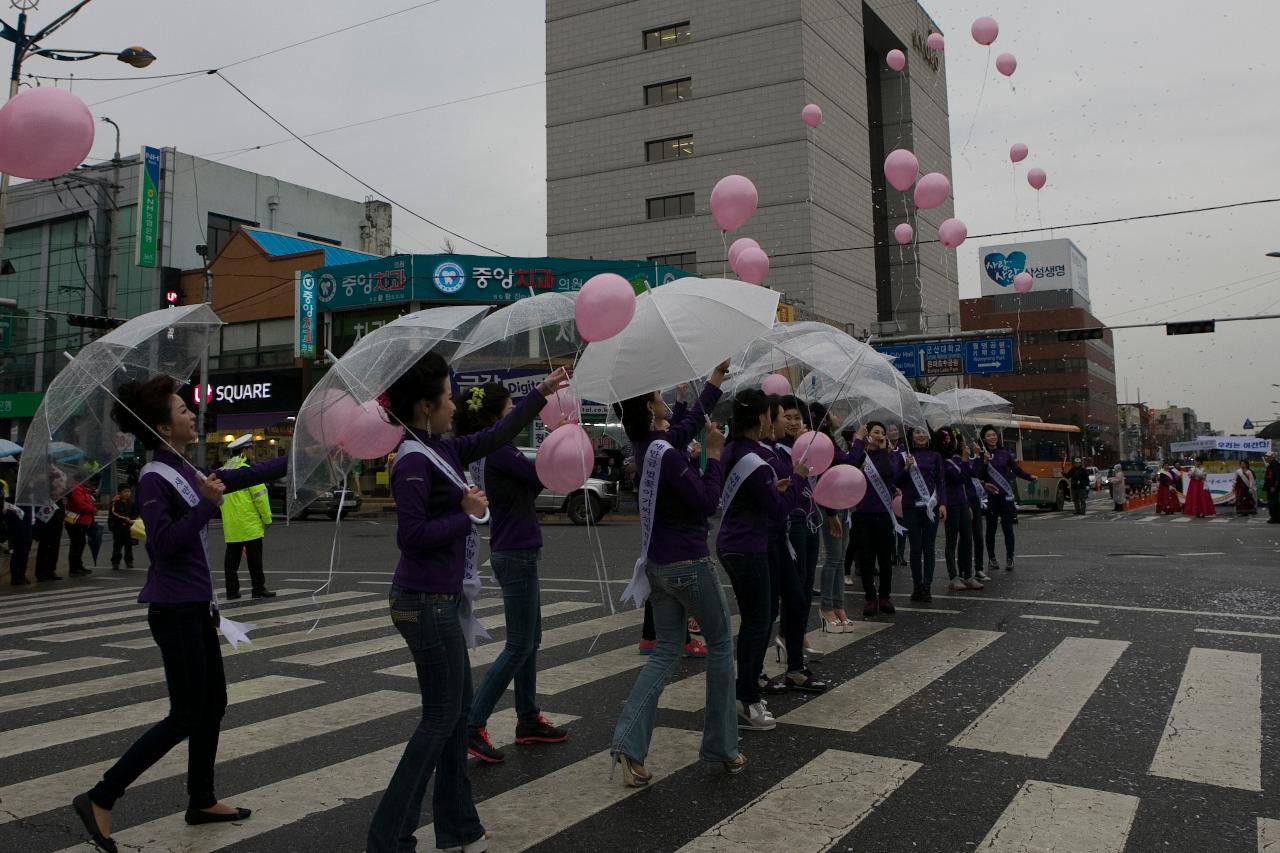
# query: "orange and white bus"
x,y
1039,448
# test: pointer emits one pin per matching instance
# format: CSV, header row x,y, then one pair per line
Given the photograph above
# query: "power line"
x,y
352,175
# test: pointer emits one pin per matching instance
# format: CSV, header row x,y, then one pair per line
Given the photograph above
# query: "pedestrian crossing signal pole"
x,y
207,297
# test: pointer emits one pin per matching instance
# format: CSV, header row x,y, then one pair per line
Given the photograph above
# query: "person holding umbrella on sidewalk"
x,y
245,516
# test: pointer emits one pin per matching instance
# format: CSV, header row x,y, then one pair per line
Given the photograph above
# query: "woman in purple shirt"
x,y
998,469
923,505
176,506
959,541
434,510
510,481
872,519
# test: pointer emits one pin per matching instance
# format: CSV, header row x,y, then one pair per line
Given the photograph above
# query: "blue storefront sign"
x,y
951,357
305,330
468,278
989,355
905,357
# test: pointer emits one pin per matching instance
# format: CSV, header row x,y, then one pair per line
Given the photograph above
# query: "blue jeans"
x,y
517,573
749,574
430,627
923,535
1002,509
678,591
833,564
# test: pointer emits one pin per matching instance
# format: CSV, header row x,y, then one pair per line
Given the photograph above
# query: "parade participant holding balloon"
x,y
958,545
922,481
998,468
176,506
510,481
805,518
835,539
977,496
789,598
434,583
873,523
752,494
675,573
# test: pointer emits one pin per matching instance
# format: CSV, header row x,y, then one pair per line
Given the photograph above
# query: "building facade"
x,y
650,103
71,247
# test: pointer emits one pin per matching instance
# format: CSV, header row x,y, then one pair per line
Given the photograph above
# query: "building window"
x,y
687,261
219,230
668,36
670,206
332,242
675,148
669,92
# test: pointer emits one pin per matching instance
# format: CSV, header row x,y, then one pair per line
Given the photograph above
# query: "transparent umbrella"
x,y
526,332
73,435
970,405
320,459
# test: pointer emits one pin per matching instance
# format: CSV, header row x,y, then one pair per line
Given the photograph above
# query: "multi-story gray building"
x,y
650,102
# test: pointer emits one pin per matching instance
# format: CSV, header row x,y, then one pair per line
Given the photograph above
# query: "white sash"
x,y
979,492
882,491
637,591
999,479
917,480
786,533
235,632
472,630
744,468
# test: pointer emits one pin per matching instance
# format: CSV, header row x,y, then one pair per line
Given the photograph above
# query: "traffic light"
x,y
88,321
1193,327
1080,334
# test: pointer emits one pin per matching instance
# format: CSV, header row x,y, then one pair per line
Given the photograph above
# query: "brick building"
x,y
650,103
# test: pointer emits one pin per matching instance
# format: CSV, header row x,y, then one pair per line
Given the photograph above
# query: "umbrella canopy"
x,y
935,411
528,331
318,461
679,333
73,435
969,405
9,448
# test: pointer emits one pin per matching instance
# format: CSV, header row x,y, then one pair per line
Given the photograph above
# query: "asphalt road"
x,y
1118,691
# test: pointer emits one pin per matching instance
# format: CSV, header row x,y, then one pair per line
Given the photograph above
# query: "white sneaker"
x,y
755,718
957,585
981,576
970,583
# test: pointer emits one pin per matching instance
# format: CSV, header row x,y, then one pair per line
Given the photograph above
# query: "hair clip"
x,y
476,399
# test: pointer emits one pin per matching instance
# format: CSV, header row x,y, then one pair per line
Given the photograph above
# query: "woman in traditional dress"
x,y
1199,502
1245,487
1167,494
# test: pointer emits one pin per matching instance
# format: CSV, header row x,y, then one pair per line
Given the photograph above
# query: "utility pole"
x,y
203,447
113,211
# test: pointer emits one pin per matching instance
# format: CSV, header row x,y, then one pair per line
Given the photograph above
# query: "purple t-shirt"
x,y
512,485
930,465
887,463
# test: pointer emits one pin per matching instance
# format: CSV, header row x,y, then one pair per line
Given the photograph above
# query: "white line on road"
x,y
1096,606
309,615
15,654
1202,554
55,667
1258,634
1059,619
1050,818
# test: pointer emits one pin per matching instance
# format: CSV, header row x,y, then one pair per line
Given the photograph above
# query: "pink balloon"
x,y
985,30
1023,282
736,248
560,405
1006,64
733,202
565,459
896,59
335,411
897,506
604,306
1037,178
370,433
817,451
44,133
1018,152
901,168
952,232
842,487
753,265
812,115
935,41
776,383
932,190
903,233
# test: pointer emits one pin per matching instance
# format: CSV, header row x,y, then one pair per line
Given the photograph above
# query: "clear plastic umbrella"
x,y
526,332
73,435
970,405
318,462
935,411
680,332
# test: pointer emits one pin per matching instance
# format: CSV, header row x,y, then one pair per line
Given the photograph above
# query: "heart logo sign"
x,y
1001,268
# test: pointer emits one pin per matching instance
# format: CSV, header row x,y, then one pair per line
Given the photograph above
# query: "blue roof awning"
x,y
280,245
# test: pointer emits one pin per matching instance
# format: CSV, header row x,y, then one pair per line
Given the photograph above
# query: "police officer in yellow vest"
x,y
245,515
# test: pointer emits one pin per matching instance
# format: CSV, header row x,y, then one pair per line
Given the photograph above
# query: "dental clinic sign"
x,y
1053,265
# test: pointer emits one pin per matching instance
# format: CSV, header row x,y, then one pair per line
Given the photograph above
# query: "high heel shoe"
x,y
480,845
779,648
198,817
633,774
832,624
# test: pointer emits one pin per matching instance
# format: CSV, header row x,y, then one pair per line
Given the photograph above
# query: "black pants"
x,y
197,698
121,544
231,566
77,536
872,547
959,544
19,546
1273,505
749,574
975,526
1080,496
788,599
1000,510
48,536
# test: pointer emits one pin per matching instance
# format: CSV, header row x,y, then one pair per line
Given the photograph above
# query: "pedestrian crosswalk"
x,y
1147,516
314,730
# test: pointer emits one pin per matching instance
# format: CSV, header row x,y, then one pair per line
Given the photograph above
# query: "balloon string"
x,y
986,72
724,246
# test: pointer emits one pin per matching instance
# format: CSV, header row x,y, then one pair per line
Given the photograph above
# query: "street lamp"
x,y
28,44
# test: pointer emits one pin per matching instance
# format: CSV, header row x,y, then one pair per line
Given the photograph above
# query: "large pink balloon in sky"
x,y
901,168
896,59
1037,177
733,202
935,41
932,190
44,132
1023,282
985,30
737,248
753,265
1006,64
604,306
812,115
1018,152
952,232
903,233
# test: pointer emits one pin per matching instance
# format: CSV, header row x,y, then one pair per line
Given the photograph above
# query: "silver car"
x,y
600,497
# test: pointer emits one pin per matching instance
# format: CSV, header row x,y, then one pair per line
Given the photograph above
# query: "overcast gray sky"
x,y
1131,107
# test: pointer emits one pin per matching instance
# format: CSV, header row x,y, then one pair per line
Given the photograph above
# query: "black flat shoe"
x,y
84,808
263,593
195,817
233,596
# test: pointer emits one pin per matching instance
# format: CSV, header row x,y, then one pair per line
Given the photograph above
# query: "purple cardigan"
x,y
959,488
887,462
512,484
1003,461
745,526
433,529
930,464
687,497
179,571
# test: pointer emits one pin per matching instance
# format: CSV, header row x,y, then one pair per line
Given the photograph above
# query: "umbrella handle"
x,y
484,520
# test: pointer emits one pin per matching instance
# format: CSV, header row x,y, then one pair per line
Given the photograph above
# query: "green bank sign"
x,y
21,405
148,229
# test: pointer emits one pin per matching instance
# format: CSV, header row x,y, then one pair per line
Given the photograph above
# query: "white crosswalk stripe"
x,y
1051,818
29,598
58,667
17,654
308,615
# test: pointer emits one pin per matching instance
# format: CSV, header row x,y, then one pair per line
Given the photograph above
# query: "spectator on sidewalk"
x,y
1079,477
1117,488
80,510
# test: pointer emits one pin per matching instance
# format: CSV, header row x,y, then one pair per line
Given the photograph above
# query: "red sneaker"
x,y
695,649
694,627
647,646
